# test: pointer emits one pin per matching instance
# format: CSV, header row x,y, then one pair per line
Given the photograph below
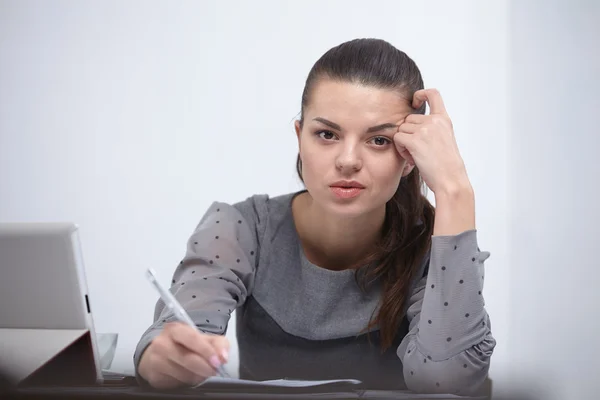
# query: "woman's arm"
x,y
215,276
454,209
449,344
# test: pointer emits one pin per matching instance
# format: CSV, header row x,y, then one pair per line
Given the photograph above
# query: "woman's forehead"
x,y
346,99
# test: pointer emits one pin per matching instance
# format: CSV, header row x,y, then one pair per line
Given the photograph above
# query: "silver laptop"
x,y
44,299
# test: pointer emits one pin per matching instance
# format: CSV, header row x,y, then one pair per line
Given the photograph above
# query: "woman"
x,y
356,276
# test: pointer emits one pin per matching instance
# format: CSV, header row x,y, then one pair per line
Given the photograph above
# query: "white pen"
x,y
173,305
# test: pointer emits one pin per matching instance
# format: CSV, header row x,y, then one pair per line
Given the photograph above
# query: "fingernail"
x,y
225,355
214,361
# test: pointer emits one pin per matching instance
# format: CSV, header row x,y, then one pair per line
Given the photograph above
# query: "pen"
x,y
177,309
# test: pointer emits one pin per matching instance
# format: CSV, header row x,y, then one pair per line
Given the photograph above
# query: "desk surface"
x,y
140,393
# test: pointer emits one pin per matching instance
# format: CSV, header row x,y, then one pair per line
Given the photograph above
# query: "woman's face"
x,y
347,140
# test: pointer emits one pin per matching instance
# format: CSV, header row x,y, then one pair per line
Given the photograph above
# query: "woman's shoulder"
x,y
256,210
259,207
257,215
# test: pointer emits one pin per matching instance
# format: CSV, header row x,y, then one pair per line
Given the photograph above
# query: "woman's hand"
x,y
428,142
182,356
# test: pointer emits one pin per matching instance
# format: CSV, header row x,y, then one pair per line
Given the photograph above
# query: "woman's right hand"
x,y
182,356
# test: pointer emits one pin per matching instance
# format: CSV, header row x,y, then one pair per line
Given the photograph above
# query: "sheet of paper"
x,y
342,388
231,382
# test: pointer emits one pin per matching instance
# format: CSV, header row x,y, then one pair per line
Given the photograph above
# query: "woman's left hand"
x,y
428,142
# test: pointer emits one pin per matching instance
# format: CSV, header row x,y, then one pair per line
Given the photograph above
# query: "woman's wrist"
x,y
454,209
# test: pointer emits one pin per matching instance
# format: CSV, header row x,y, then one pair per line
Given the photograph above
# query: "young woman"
x,y
355,277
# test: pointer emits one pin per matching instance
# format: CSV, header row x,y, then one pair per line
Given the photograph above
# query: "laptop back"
x,y
42,280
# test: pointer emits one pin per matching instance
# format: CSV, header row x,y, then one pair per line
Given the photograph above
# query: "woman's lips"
x,y
346,192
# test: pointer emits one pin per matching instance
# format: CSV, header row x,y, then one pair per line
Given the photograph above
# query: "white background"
x,y
130,118
554,185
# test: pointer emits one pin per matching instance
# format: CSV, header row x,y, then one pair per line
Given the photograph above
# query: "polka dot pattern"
x,y
451,317
228,262
447,318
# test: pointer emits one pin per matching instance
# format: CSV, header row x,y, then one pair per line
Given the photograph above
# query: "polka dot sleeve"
x,y
215,276
449,344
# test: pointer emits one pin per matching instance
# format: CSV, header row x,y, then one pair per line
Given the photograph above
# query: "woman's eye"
x,y
327,135
381,141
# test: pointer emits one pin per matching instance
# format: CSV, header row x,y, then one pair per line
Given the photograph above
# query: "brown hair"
x,y
409,216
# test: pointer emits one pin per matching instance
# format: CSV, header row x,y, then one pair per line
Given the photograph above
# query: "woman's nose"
x,y
349,159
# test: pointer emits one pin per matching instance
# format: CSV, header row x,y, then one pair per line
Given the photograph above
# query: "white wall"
x,y
554,188
130,118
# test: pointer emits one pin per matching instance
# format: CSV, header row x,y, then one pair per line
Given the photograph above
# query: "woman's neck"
x,y
335,242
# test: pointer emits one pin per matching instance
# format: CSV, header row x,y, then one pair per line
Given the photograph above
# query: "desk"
x,y
136,392
126,387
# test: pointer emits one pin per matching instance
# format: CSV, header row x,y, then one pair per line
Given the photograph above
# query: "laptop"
x,y
47,330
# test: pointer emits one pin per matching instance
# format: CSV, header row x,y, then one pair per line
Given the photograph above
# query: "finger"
x,y
191,362
408,127
165,372
190,338
431,96
182,374
406,155
416,118
166,348
403,141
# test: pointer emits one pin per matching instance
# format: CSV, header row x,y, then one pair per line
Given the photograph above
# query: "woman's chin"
x,y
355,208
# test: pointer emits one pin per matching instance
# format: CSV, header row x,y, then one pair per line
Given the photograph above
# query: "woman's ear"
x,y
298,129
408,167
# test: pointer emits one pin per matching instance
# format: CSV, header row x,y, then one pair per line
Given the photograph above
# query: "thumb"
x,y
403,142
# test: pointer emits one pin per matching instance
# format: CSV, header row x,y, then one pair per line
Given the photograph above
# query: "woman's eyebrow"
x,y
372,129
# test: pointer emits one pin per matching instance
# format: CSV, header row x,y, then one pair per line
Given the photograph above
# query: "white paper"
x,y
345,388
232,382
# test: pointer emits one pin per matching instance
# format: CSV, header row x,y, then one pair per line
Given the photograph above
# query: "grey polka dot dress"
x,y
300,321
